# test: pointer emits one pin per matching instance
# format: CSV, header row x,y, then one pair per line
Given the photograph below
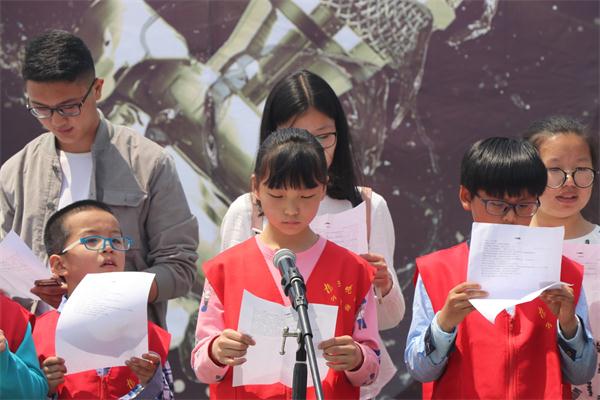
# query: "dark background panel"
x,y
538,58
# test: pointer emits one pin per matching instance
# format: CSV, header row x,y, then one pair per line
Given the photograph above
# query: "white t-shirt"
x,y
582,392
591,238
236,227
76,177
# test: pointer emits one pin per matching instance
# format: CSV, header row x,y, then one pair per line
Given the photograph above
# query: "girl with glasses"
x,y
571,159
570,155
305,100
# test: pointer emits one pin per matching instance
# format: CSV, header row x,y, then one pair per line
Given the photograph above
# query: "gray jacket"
x,y
133,175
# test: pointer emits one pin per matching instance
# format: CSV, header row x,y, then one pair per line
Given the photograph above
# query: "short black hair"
x,y
55,232
552,125
292,158
503,166
291,97
57,56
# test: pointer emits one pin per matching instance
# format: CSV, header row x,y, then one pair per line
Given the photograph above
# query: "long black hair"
x,y
293,96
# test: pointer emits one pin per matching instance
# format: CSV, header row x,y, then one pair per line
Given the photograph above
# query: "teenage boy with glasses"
x,y
85,156
532,351
65,110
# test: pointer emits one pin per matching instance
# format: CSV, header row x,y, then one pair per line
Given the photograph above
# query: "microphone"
x,y
293,287
291,279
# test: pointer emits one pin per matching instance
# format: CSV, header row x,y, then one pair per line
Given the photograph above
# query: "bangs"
x,y
504,166
294,166
512,179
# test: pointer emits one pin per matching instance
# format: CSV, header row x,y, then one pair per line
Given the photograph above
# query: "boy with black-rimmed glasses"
x,y
83,155
532,351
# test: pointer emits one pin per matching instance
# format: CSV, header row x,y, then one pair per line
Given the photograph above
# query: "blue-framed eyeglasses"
x,y
98,243
65,110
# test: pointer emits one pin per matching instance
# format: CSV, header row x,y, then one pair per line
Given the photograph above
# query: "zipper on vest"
x,y
103,387
510,373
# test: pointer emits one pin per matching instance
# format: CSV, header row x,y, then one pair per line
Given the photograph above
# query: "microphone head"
x,y
281,254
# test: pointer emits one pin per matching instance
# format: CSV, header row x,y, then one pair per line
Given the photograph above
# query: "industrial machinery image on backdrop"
x,y
418,80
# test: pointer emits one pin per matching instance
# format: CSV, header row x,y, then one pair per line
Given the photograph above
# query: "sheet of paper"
x,y
19,267
264,321
105,321
347,229
588,255
513,263
490,308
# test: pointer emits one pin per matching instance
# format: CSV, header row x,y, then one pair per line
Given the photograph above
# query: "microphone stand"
x,y
294,288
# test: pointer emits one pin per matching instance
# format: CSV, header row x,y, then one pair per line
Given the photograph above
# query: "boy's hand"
x,y
562,304
2,341
342,353
457,305
145,367
50,294
382,279
55,370
230,347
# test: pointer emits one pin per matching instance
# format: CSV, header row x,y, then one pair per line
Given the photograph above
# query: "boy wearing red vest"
x,y
20,374
80,239
289,182
532,351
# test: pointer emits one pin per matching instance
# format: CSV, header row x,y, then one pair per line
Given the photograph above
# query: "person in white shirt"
x,y
304,100
569,153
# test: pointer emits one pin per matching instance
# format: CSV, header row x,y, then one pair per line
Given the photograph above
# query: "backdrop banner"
x,y
420,80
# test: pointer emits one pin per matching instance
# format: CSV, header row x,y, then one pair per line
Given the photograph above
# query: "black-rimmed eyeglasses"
x,y
65,110
500,208
327,140
582,177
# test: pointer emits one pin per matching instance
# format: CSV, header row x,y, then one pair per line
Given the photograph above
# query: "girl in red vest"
x,y
569,152
289,181
305,100
532,351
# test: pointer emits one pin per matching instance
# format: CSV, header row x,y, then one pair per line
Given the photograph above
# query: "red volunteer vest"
x,y
88,385
339,278
13,322
515,358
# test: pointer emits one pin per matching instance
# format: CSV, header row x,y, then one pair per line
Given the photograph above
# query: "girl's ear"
x,y
465,198
57,266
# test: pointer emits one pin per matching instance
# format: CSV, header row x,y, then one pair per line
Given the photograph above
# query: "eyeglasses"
x,y
65,110
327,140
500,207
582,177
98,243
